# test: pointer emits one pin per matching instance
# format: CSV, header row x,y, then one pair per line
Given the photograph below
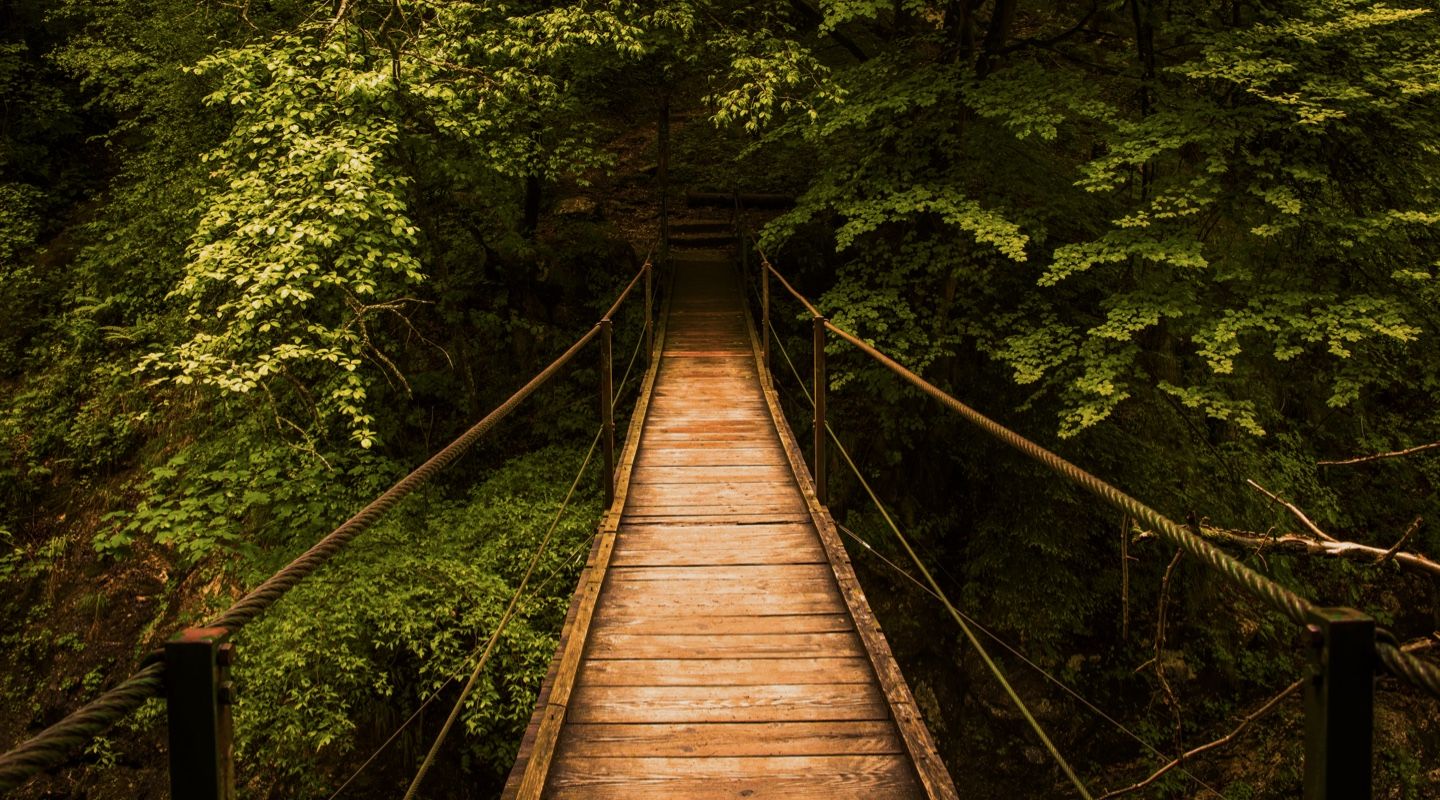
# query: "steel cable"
x,y
1412,669
950,607
500,626
53,745
897,569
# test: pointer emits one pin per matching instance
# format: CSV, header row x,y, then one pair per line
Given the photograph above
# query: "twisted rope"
x,y
1416,671
939,594
54,744
264,596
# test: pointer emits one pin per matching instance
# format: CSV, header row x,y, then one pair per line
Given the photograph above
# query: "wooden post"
x,y
819,380
649,310
198,696
607,406
765,317
662,176
1339,705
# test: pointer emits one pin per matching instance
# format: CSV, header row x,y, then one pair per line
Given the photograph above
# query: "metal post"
x,y
607,406
198,696
765,316
1339,705
649,310
819,380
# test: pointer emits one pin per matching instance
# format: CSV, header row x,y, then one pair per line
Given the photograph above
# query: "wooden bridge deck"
x,y
718,644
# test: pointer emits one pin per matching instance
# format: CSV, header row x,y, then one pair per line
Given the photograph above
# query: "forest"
x,y
262,259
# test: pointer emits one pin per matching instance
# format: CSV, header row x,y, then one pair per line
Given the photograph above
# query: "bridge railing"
x,y
191,672
1343,646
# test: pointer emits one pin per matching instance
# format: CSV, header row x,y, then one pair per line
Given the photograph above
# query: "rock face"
x,y
578,206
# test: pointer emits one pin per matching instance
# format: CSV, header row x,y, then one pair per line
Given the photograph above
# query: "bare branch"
x,y
1395,548
1171,699
1379,456
1222,741
1300,515
1423,643
1294,543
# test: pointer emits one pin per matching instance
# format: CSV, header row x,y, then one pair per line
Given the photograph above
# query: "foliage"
x,y
399,615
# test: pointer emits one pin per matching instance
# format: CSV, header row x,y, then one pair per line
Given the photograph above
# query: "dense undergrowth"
x,y
262,258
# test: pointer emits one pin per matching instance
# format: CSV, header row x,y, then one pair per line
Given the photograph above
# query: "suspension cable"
x,y
950,607
53,745
896,568
520,590
1418,672
500,626
569,561
477,652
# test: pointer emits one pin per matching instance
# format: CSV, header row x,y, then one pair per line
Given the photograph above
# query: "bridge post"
x,y
1339,705
649,311
662,174
198,696
819,380
607,406
765,317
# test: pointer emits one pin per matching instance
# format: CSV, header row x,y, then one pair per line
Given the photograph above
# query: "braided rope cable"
x,y
944,599
1292,605
1416,671
510,612
263,596
54,744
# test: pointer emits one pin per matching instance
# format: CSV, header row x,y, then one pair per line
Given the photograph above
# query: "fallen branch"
x,y
1300,515
1222,741
1423,643
1294,543
1395,548
1379,456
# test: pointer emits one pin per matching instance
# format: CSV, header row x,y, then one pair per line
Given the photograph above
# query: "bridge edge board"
x,y
918,743
553,703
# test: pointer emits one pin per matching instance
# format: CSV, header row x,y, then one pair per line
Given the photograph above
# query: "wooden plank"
x,y
864,777
672,546
724,671
828,601
709,740
668,515
606,643
924,758
834,777
772,703
687,494
658,621
711,474
655,456
747,577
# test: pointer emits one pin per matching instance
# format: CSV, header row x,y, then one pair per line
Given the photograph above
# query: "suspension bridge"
x,y
718,643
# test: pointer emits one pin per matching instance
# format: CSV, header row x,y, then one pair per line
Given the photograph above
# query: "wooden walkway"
x,y
718,644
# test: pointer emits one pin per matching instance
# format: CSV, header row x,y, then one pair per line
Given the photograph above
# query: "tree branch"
x,y
1378,456
1293,543
1300,515
1222,741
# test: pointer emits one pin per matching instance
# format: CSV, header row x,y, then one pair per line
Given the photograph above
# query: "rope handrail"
x,y
55,743
1410,668
814,312
939,594
625,293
